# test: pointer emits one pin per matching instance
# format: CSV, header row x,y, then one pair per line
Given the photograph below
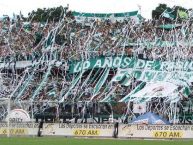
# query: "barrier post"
x,y
8,121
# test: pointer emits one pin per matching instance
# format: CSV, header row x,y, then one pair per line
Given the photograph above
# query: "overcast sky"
x,y
25,6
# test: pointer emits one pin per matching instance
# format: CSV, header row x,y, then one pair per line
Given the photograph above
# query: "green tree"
x,y
50,14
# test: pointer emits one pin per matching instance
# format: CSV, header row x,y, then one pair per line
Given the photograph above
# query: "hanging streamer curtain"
x,y
26,84
43,83
74,82
137,89
109,96
101,82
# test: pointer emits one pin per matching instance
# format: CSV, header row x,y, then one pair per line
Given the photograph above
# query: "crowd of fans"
x,y
69,40
21,40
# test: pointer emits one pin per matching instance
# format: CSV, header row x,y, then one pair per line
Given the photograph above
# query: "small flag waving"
x,y
167,14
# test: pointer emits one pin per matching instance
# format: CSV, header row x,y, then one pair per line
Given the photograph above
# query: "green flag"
x,y
182,14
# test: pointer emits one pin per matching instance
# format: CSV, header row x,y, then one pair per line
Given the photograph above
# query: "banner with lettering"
x,y
98,130
156,131
71,129
17,129
148,71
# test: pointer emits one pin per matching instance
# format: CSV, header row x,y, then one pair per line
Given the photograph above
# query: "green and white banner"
x,y
159,90
155,76
80,17
131,62
105,15
149,71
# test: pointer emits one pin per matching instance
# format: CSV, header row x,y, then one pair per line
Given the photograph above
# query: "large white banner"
x,y
103,130
99,130
156,131
19,129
